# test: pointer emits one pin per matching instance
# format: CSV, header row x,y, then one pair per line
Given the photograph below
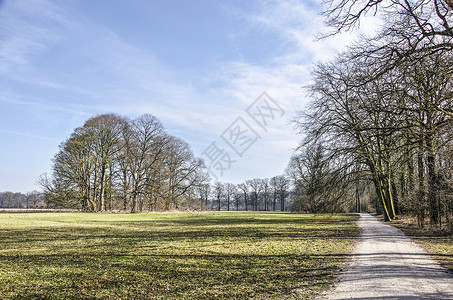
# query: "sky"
x,y
200,66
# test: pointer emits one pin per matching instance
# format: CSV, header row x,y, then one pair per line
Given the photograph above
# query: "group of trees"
x,y
319,182
32,199
112,162
382,112
258,194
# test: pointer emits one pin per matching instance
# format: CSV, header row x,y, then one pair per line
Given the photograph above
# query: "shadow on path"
x,y
386,264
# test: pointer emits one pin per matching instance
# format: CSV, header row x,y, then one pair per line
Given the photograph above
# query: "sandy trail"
x,y
386,264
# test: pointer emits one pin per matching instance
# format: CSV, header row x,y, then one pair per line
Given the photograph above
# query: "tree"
x,y
74,172
427,85
145,141
230,193
245,190
265,188
218,191
204,190
107,130
7,199
319,185
347,118
256,187
279,186
182,170
421,26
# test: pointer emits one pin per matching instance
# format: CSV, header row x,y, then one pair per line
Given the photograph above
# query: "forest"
x,y
28,200
380,113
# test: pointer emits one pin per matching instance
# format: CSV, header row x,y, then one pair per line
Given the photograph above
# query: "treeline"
x,y
32,199
381,112
258,194
114,163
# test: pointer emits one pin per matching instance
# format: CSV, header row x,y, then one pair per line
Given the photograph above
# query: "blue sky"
x,y
196,65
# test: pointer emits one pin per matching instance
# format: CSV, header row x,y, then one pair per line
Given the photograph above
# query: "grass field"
x,y
170,255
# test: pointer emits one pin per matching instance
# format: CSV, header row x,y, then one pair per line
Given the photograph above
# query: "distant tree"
x,y
204,190
183,170
230,191
265,190
237,198
7,199
256,187
318,184
280,186
218,192
245,191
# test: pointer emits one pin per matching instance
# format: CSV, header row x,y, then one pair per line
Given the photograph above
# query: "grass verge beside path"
x,y
171,255
433,240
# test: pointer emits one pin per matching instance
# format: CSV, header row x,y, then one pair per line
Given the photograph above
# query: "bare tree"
x,y
204,191
256,187
107,129
145,141
245,192
230,193
429,20
218,191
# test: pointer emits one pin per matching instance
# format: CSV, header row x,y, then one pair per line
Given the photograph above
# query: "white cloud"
x,y
27,135
92,69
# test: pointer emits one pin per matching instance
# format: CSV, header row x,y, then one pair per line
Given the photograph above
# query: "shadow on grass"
x,y
174,276
197,226
112,259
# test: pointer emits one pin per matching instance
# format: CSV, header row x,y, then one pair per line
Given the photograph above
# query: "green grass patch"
x,y
171,255
435,241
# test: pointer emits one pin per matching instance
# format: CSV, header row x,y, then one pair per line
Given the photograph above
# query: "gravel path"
x,y
386,264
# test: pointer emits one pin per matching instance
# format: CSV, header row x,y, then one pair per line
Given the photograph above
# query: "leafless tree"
x,y
243,187
230,193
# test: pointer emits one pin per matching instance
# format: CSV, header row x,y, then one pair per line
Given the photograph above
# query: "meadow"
x,y
229,255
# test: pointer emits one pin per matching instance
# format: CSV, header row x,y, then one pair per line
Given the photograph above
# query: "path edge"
x,y
345,265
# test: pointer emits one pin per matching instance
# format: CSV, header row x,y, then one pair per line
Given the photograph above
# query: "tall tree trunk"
x,y
389,196
102,189
382,186
125,193
274,201
421,187
134,200
282,202
432,182
380,192
396,196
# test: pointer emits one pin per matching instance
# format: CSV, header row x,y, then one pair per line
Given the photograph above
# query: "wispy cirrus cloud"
x,y
58,66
